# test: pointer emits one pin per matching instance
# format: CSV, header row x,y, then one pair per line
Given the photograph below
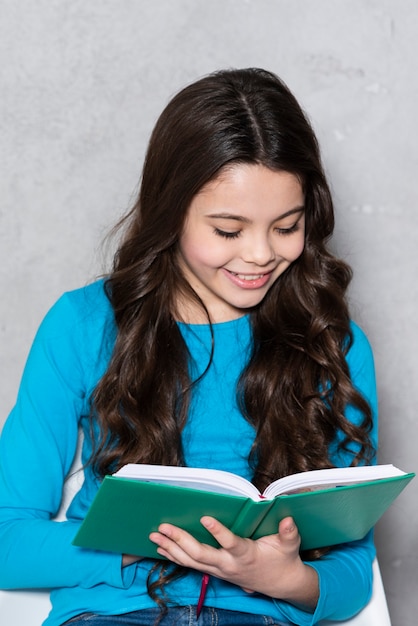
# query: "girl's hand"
x,y
270,565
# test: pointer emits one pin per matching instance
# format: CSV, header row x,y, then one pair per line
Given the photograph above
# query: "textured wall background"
x,y
81,85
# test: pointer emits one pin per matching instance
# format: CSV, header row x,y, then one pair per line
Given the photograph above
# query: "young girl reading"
x,y
221,339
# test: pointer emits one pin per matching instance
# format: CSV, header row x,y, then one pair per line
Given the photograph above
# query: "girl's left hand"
x,y
270,565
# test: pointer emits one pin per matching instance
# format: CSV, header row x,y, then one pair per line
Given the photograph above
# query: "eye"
x,y
288,231
226,234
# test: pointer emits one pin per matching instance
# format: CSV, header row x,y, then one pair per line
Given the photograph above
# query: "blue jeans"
x,y
176,616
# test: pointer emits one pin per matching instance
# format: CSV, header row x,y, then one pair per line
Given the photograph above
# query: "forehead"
x,y
250,185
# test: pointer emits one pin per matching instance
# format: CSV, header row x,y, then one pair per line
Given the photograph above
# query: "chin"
x,y
248,306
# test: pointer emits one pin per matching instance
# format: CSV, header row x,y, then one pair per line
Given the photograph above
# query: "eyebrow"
x,y
241,218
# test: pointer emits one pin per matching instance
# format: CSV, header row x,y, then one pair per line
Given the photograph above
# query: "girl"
x,y
221,339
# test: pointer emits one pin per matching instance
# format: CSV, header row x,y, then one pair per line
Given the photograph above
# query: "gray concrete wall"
x,y
81,84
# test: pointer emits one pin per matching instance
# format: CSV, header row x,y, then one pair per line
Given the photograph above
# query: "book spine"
x,y
250,517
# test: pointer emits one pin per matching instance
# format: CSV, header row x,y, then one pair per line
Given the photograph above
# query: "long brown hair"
x,y
296,385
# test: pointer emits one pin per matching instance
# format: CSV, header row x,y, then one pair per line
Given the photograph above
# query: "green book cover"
x,y
331,516
125,511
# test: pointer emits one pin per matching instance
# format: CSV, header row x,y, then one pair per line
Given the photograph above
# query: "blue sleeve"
x,y
345,573
37,448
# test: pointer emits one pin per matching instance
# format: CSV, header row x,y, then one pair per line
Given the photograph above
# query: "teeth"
x,y
248,276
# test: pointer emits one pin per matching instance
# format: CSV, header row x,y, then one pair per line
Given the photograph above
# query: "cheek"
x,y
206,250
195,253
295,248
300,248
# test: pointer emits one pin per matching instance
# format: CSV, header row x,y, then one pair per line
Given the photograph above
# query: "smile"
x,y
248,281
248,276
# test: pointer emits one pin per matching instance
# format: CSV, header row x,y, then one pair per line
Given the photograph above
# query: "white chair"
x,y
30,608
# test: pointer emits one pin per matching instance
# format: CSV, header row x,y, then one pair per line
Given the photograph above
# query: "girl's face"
x,y
242,231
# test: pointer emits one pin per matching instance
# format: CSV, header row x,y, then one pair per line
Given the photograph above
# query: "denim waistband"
x,y
176,616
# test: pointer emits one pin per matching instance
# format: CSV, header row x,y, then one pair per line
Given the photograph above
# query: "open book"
x,y
329,506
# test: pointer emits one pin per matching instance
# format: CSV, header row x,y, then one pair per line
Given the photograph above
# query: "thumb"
x,y
288,532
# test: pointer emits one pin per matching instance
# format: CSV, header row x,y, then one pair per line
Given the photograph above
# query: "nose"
x,y
258,250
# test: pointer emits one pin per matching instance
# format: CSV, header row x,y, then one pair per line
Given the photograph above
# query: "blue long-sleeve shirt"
x,y
70,353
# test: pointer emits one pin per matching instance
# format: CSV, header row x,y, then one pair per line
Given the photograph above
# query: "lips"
x,y
248,281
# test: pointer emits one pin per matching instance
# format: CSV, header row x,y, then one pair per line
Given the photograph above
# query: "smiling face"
x,y
242,231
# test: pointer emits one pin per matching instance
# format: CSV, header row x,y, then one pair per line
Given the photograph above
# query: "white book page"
x,y
219,481
328,478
